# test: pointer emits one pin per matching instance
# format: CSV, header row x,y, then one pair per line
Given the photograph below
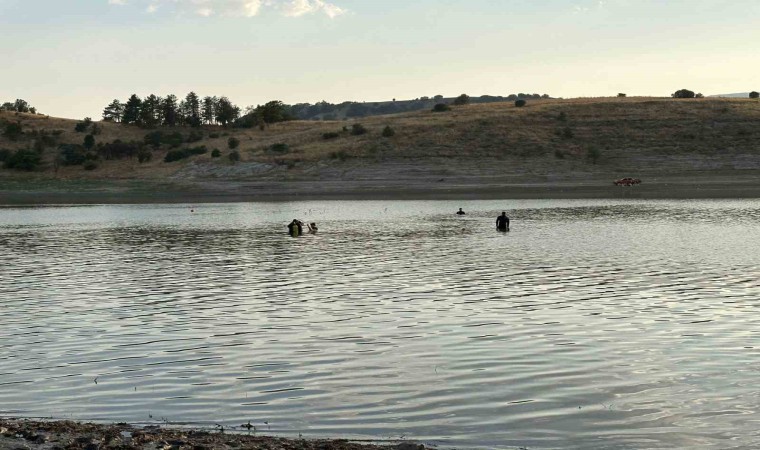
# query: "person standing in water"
x,y
460,212
295,228
502,222
312,228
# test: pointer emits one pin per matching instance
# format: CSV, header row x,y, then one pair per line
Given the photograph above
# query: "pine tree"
x,y
132,110
114,111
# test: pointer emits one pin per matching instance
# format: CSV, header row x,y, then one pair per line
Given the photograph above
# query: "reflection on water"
x,y
592,324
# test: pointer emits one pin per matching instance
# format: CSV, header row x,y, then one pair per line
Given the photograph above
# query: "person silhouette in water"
x,y
502,222
460,212
295,228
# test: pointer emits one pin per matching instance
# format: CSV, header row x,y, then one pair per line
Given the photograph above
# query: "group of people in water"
x,y
295,228
502,222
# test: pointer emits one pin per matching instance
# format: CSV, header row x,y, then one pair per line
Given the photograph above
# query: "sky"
x,y
70,58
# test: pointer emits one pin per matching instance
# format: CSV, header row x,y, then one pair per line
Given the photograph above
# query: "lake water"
x,y
592,324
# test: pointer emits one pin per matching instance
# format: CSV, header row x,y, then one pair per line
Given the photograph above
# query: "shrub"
x,y
566,133
279,148
5,154
699,95
520,103
233,142
13,131
176,155
683,93
216,153
213,135
195,136
81,127
621,95
462,100
90,165
441,107
144,155
754,94
593,154
154,138
388,131
234,156
341,155
72,154
173,140
330,135
559,154
89,141
118,150
358,129
562,117
27,160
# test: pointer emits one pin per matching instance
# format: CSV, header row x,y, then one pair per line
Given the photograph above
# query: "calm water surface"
x,y
592,324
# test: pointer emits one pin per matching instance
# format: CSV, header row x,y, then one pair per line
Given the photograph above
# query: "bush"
x,y
754,94
118,150
72,154
341,155
559,154
279,148
195,136
213,135
330,135
562,117
216,153
566,133
593,154
520,103
89,141
13,131
173,140
621,95
24,160
154,138
81,127
90,165
176,155
234,156
358,129
233,143
388,131
700,95
144,155
441,107
684,93
5,154
462,100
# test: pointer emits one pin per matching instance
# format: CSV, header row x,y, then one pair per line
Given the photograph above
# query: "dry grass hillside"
x,y
549,138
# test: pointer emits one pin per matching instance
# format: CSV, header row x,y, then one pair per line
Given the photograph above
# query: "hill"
x,y
688,147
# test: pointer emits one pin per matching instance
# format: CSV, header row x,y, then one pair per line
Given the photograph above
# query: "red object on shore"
x,y
628,181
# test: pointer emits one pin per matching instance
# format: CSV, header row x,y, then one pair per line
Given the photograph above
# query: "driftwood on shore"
x,y
54,435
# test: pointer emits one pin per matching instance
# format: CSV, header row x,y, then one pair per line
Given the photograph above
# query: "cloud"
x,y
240,8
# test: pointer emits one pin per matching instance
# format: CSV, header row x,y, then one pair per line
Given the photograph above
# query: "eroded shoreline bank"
x,y
60,434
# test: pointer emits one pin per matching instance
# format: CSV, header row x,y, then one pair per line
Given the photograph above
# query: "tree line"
x,y
19,105
153,111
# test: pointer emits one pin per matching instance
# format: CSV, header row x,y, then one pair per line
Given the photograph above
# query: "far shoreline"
x,y
204,191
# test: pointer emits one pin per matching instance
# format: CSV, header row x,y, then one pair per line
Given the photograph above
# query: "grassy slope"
x,y
634,136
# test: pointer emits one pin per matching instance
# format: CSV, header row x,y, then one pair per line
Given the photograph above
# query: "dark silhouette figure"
x,y
502,222
295,228
460,212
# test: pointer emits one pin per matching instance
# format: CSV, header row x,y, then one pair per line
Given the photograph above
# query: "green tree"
x,y
149,112
462,100
114,111
388,131
233,142
21,105
273,112
754,94
441,107
226,112
193,103
684,93
132,110
24,160
169,107
209,109
520,103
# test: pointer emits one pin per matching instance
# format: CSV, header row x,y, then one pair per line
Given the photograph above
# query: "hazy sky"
x,y
71,57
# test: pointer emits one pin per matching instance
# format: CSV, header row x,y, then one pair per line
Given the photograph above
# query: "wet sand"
x,y
50,435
